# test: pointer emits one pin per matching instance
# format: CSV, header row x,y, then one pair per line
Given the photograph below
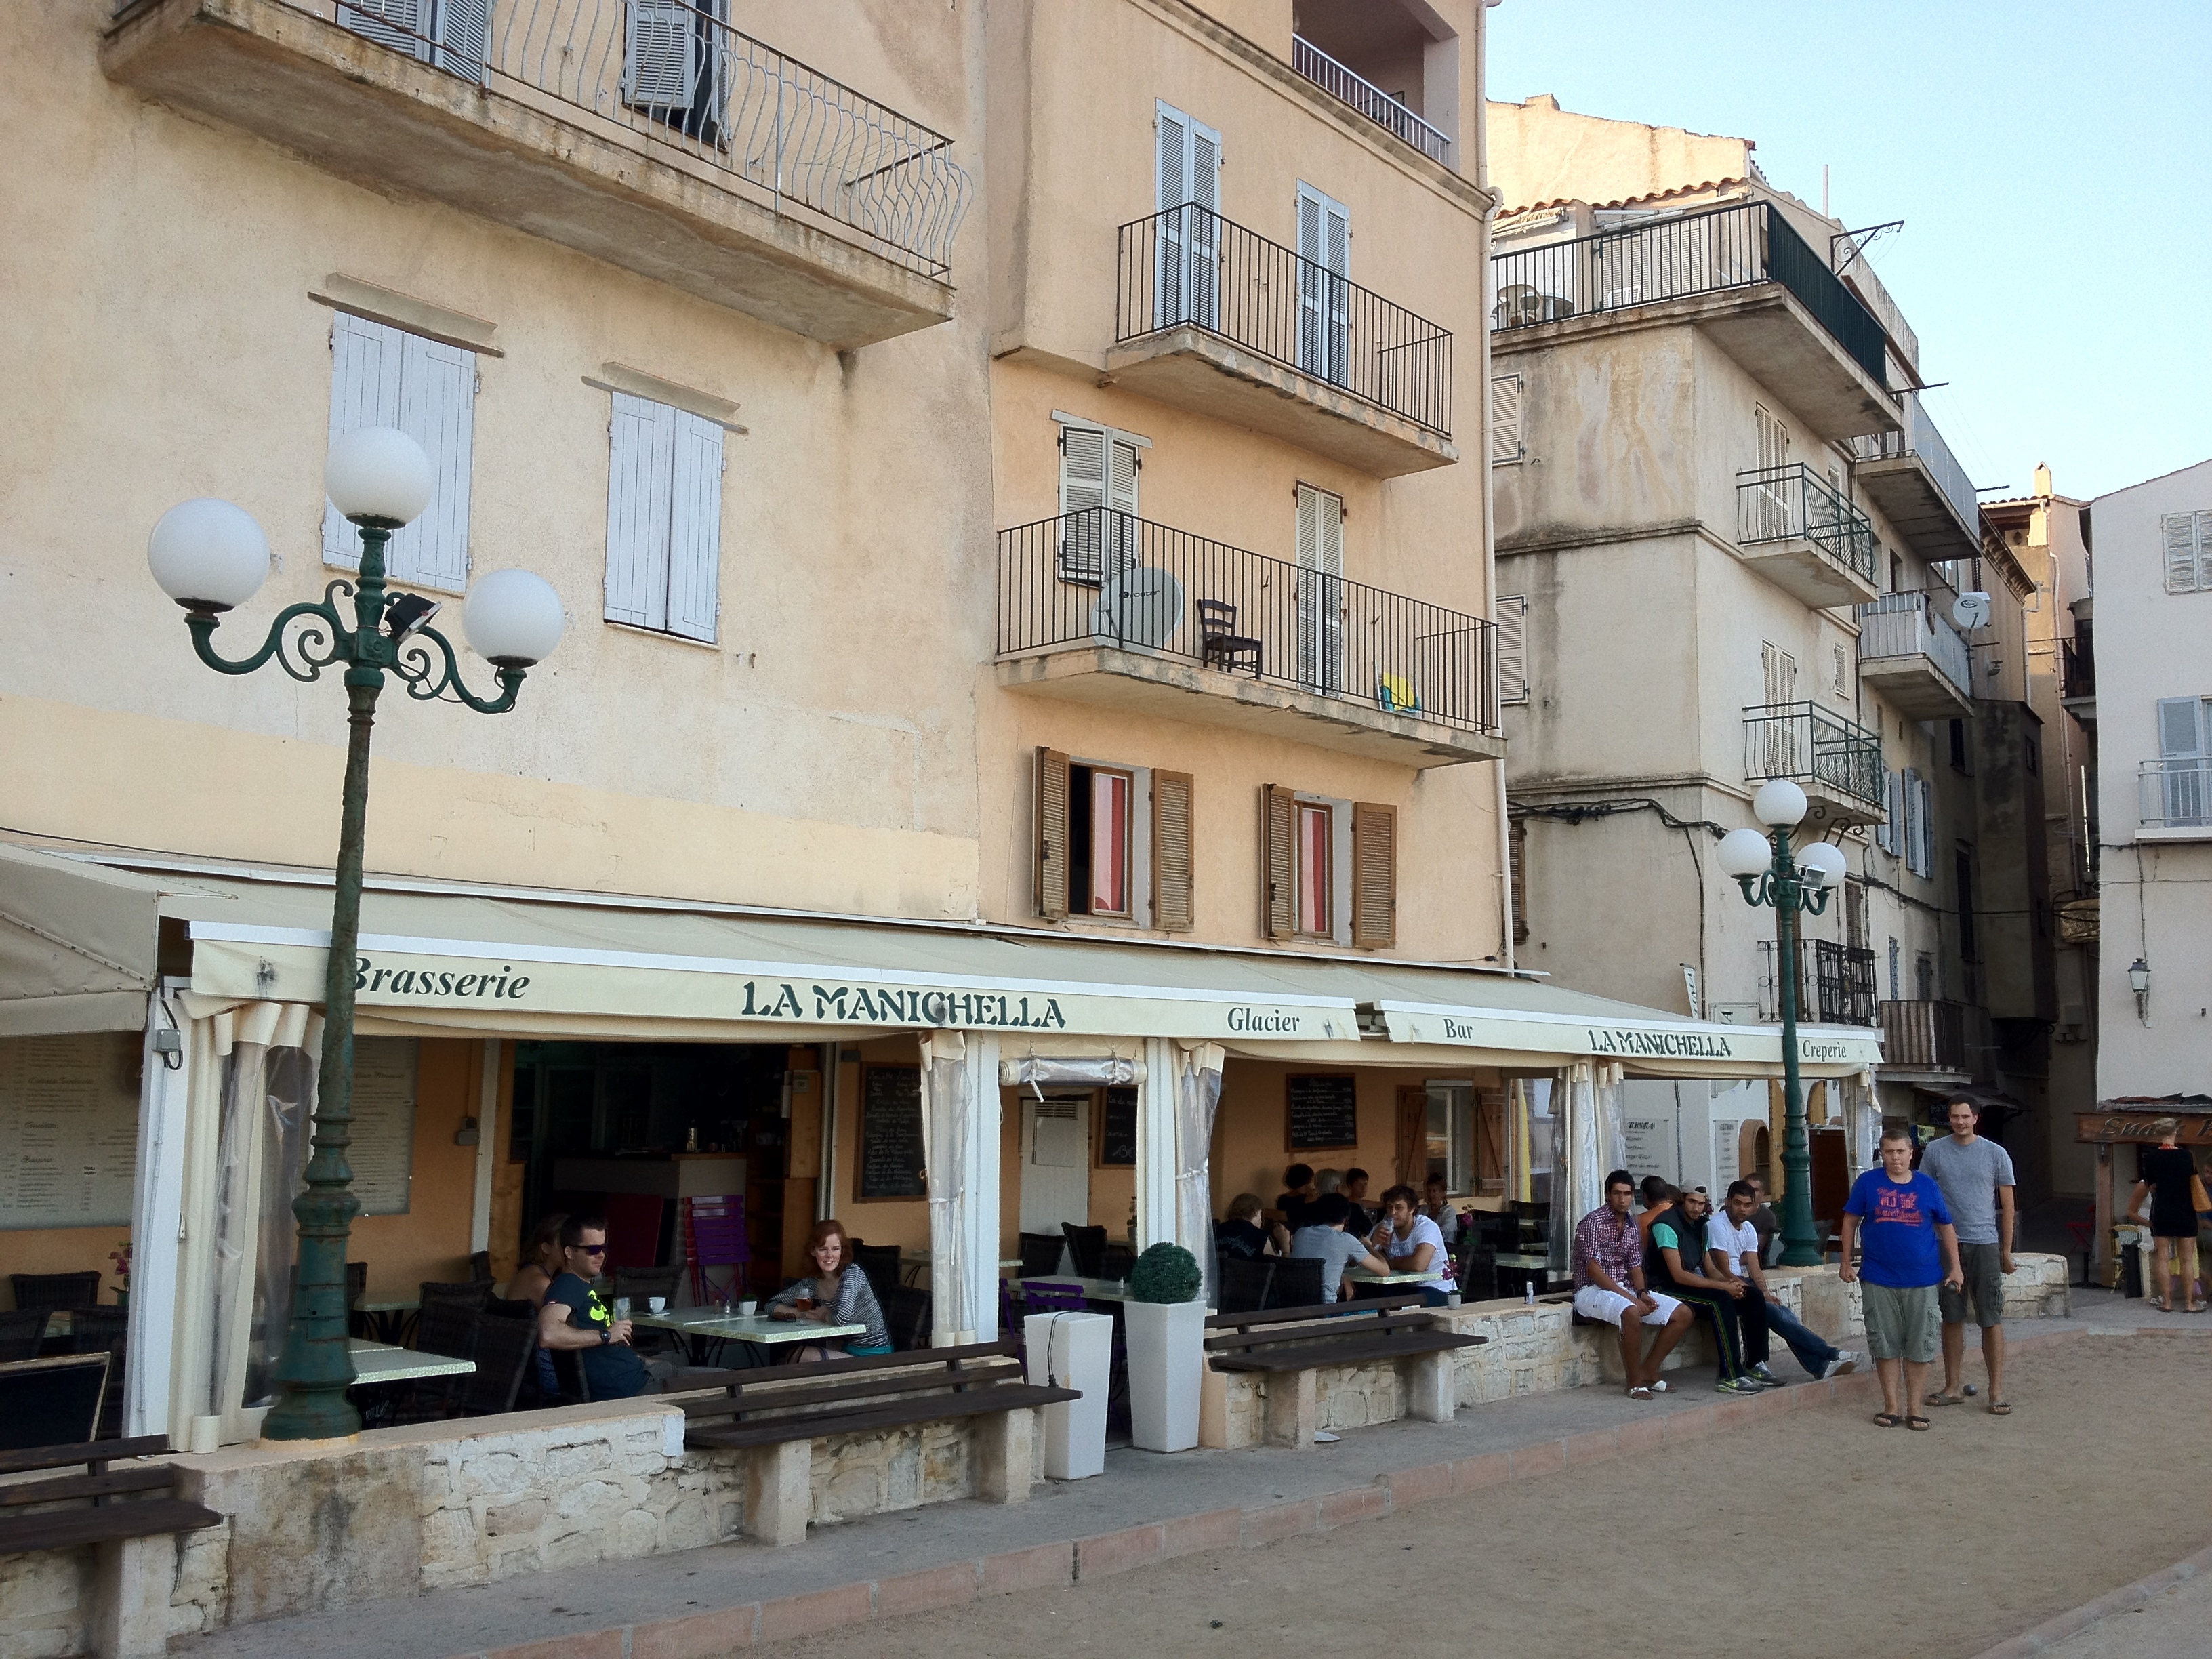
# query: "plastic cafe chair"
x,y
1040,1254
56,1291
1086,1246
21,1332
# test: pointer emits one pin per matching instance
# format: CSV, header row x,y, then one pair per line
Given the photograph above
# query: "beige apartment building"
x,y
1736,547
1025,750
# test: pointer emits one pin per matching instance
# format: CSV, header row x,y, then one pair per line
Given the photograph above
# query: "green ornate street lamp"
x,y
1764,869
211,557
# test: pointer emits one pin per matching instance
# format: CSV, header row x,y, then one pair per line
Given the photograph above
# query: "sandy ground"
x,y
1817,1534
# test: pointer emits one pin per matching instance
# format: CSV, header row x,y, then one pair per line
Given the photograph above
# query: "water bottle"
x,y
1528,1292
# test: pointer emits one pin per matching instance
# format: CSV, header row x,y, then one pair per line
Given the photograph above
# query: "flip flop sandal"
x,y
1886,1420
1639,1392
2000,1408
1918,1423
1939,1398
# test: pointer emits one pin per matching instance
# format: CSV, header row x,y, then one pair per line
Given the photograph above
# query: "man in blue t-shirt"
x,y
1911,1246
574,1317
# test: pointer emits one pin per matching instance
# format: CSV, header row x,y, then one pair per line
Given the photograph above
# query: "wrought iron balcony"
x,y
2176,794
651,136
1300,338
1348,87
1913,478
1105,607
1799,533
1836,761
1929,1036
1836,372
1914,658
1835,983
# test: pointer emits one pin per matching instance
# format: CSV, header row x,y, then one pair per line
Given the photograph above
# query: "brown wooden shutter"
x,y
1516,854
1278,871
1052,804
1413,1134
1173,876
1374,874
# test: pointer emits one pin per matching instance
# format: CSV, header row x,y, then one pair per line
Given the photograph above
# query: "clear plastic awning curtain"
x,y
268,1053
1197,1097
1589,1139
1862,1122
960,1140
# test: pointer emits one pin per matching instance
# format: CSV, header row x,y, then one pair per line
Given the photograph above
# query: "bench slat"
x,y
25,1458
1348,1325
158,1478
931,1408
876,1362
61,1529
1317,1355
760,1397
1310,1310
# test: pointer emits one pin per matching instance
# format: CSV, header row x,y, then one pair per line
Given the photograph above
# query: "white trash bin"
x,y
1072,1351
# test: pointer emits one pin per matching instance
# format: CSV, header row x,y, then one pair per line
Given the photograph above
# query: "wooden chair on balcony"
x,y
1220,644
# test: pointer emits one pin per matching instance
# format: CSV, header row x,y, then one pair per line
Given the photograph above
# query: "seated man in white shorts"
x,y
1609,1266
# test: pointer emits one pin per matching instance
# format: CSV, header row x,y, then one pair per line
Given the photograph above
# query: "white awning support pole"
x,y
1156,1143
960,1133
487,1142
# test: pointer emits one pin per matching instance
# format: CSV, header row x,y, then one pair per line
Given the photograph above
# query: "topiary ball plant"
x,y
1165,1272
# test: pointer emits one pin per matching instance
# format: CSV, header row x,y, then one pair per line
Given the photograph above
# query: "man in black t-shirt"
x,y
575,1317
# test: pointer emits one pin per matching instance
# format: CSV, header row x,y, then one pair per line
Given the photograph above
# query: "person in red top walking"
x,y
1608,1268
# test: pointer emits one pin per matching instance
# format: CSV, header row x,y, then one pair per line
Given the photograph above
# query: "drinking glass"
x,y
621,1307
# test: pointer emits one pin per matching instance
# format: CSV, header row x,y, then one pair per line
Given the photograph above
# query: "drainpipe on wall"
x,y
1481,113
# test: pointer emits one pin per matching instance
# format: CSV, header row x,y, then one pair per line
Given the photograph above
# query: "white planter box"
x,y
1167,1365
1072,1351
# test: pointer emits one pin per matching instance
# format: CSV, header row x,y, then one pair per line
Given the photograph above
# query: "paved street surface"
x,y
2176,1624
1853,1540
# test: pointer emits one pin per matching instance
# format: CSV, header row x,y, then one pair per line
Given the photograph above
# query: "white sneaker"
x,y
1842,1366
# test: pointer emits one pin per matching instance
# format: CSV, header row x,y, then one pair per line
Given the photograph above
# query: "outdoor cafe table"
x,y
1094,1290
1533,1268
376,1365
388,1319
915,1263
701,1326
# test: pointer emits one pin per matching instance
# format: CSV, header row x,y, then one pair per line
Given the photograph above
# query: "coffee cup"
x,y
656,1303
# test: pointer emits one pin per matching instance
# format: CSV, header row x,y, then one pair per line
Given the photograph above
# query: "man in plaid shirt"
x,y
1609,1266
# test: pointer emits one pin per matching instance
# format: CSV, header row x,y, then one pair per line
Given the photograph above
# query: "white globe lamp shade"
x,y
208,555
1823,865
1778,803
379,475
1746,853
513,619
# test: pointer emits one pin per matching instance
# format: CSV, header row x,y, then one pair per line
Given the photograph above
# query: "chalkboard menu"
x,y
891,1154
1324,1113
1117,1130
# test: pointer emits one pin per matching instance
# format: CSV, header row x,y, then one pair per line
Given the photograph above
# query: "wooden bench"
x,y
1289,1345
776,1414
123,1511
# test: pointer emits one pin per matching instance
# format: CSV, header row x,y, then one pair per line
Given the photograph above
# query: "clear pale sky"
x,y
2052,164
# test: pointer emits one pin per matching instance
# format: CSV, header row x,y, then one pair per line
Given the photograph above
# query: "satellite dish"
x,y
1971,611
1140,606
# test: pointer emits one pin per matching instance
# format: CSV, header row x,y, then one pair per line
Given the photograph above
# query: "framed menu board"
x,y
889,1160
383,1151
1323,1112
1117,1128
69,1119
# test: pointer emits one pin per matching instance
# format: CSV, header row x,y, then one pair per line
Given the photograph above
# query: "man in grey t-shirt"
x,y
1323,1238
1976,1178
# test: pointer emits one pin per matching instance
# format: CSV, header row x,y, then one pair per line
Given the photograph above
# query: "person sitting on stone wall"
x,y
1608,1272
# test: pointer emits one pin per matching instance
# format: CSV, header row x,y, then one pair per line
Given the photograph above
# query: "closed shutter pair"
x,y
1374,868
383,376
449,34
664,518
1173,875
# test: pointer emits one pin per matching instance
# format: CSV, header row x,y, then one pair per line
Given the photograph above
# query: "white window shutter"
x,y
437,409
694,528
1885,834
464,33
640,460
2204,550
1083,463
1122,464
402,25
2178,531
1203,190
1513,649
364,391
661,55
1505,446
1171,168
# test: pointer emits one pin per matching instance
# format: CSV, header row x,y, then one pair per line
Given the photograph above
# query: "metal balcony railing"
x,y
1191,267
1370,100
1921,441
1807,743
1794,503
1925,1036
1099,577
2077,668
1671,259
2176,794
670,80
1835,983
1904,625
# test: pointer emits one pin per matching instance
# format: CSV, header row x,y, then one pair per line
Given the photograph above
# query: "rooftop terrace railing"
x,y
1100,577
1348,87
1794,503
672,81
1674,258
1189,265
1921,441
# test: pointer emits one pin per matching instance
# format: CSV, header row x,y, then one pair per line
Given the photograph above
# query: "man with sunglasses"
x,y
574,1316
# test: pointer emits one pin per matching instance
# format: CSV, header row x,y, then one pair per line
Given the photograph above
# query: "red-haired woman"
x,y
837,1294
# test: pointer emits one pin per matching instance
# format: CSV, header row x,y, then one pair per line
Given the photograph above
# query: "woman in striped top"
x,y
837,1294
